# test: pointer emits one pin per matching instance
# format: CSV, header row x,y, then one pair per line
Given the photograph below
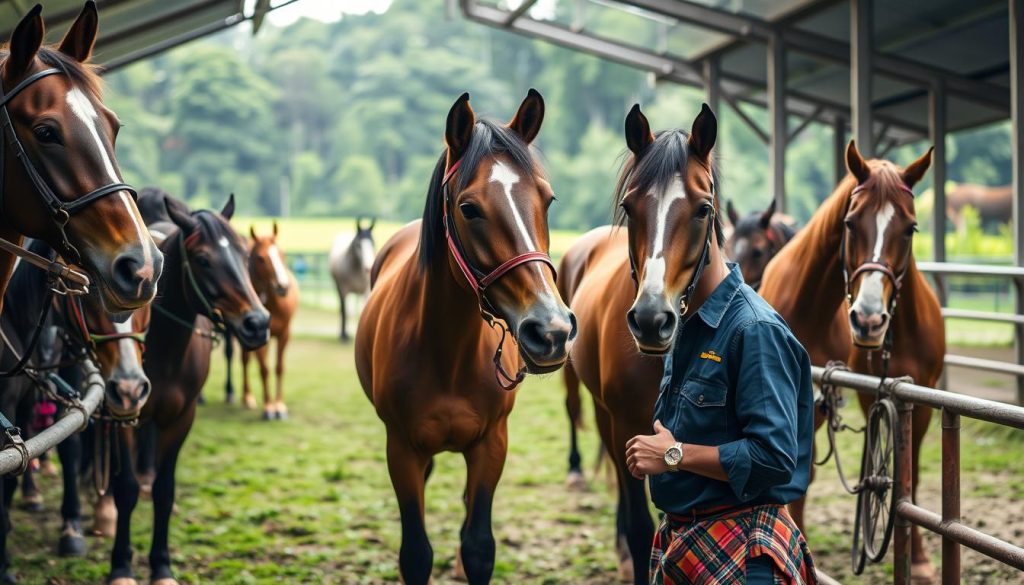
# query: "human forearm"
x,y
703,460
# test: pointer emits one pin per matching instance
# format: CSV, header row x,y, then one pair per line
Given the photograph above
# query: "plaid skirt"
x,y
714,549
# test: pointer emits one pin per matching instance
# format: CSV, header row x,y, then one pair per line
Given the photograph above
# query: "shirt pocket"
x,y
701,408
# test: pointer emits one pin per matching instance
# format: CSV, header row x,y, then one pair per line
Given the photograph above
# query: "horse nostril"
x,y
651,325
143,391
572,326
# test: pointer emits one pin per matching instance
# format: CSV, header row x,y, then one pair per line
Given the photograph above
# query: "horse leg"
x,y
10,485
229,356
126,495
408,470
146,457
282,343
484,463
922,570
269,412
638,523
248,402
72,540
604,429
170,442
573,407
344,329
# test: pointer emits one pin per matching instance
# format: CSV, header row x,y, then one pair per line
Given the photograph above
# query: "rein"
x,y
479,281
61,211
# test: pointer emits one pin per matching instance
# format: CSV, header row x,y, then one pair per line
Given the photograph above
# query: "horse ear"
x,y
81,37
704,132
25,42
229,207
734,218
856,163
526,123
638,131
766,215
359,223
459,128
373,222
180,215
252,231
274,224
916,170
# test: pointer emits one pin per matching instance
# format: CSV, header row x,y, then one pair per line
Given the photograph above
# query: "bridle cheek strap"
x,y
479,282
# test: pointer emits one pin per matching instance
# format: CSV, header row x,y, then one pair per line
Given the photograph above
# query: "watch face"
x,y
673,455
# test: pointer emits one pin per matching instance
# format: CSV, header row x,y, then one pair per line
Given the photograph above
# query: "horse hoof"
x,y
248,402
229,398
104,522
923,573
460,571
625,560
166,581
32,502
282,411
268,415
71,545
576,482
123,581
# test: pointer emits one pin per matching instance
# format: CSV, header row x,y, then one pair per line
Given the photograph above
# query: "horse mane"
x,y
664,159
82,74
489,139
213,227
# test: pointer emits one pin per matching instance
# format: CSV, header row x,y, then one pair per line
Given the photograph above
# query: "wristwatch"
x,y
674,456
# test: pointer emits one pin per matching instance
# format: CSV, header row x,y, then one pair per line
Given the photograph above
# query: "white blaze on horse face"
x,y
869,297
366,253
83,109
881,225
739,247
654,267
223,242
128,360
280,273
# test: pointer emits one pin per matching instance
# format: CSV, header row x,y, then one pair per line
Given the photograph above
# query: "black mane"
x,y
81,74
489,139
664,159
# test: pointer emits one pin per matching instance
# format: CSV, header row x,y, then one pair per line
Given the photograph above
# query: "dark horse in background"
x,y
612,298
53,124
206,281
756,238
426,358
837,284
76,328
994,204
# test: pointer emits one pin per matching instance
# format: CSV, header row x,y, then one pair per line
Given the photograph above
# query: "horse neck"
x,y
166,335
447,304
814,272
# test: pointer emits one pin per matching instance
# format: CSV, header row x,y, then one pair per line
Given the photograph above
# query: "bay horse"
x,y
427,350
756,239
59,179
206,284
85,329
279,292
627,309
350,261
837,284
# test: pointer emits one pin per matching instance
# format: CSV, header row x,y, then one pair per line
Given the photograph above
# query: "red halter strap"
x,y
479,281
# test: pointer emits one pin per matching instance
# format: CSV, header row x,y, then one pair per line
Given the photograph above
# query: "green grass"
x,y
309,500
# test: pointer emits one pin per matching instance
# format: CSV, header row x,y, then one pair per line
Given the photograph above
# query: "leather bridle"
x,y
61,211
208,309
883,267
479,280
91,341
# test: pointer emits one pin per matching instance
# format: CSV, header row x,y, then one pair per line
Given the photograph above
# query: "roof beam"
x,y
745,26
519,11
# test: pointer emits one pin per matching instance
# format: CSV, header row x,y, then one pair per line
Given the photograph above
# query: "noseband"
x,y
91,340
480,280
61,211
886,269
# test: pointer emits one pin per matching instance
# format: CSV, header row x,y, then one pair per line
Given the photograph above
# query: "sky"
x,y
324,10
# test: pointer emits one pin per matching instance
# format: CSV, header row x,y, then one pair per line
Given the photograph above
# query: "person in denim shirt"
x,y
734,421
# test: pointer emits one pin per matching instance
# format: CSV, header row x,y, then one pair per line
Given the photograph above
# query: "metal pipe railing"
x,y
69,424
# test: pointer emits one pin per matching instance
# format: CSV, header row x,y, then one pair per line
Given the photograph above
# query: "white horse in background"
x,y
350,261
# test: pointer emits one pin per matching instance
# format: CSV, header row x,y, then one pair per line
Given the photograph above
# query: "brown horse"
x,y
59,180
279,293
837,283
994,204
426,358
756,239
206,280
623,306
86,329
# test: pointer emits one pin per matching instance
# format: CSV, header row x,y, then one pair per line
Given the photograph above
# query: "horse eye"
x,y
911,231
849,224
757,253
703,212
203,261
46,135
470,211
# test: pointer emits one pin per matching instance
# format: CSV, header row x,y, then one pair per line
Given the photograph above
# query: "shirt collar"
x,y
713,309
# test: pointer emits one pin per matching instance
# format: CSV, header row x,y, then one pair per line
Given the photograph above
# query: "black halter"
x,y
60,210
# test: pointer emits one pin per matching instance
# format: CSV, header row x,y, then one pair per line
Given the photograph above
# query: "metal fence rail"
x,y
954,533
67,425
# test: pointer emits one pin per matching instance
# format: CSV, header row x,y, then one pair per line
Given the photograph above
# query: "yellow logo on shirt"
x,y
711,355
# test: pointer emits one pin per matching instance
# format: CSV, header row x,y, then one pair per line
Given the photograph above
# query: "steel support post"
x,y
861,49
779,130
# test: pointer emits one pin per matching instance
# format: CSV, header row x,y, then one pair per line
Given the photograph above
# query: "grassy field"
x,y
308,500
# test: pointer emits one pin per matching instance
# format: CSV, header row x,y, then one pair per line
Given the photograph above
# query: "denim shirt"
x,y
737,378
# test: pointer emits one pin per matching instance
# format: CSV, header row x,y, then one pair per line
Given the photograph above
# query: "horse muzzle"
x,y
652,322
252,328
545,338
130,279
126,395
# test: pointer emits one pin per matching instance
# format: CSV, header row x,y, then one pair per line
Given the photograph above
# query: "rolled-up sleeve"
x,y
766,408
